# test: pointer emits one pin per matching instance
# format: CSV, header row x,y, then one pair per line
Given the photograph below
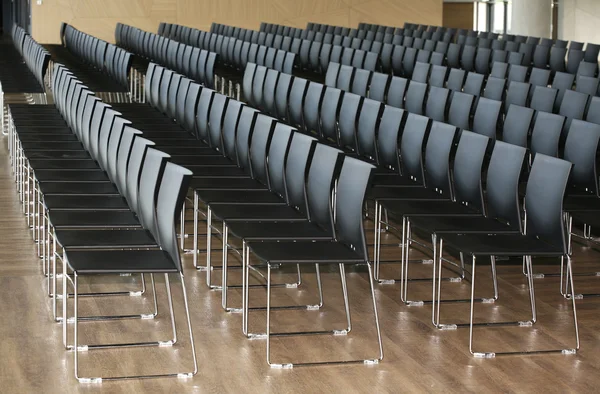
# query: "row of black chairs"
x,y
80,161
193,62
101,55
35,56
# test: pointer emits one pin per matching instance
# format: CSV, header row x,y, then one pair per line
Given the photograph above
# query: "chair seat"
x,y
120,261
105,239
500,245
25,130
400,208
247,197
77,188
391,180
58,154
460,224
93,219
256,212
405,193
85,202
51,145
225,183
68,164
273,231
587,217
71,176
579,203
47,137
304,252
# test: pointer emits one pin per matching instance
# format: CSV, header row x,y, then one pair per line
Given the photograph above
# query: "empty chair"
x,y
453,55
574,57
436,59
517,73
332,74
576,45
516,58
398,59
546,133
473,84
459,113
591,53
467,58
498,44
456,79
517,124
499,56
499,70
482,61
396,92
345,76
588,85
282,94
562,82
379,86
330,108
543,98
312,104
296,101
347,120
358,59
269,91
437,76
360,83
494,88
437,102
538,77
408,62
486,120
573,106
421,72
517,93
527,50
371,61
541,56
587,69
511,47
557,59
415,97
593,113
386,57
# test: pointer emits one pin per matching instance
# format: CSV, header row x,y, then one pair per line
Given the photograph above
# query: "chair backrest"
x,y
330,109
245,127
460,110
348,118
474,84
215,120
387,137
411,146
312,105
546,133
593,113
296,167
152,171
437,103
494,88
282,94
202,111
134,168
544,199
354,180
276,159
573,106
379,86
438,156
502,183
415,97
543,98
456,79
581,148
487,118
468,167
324,169
122,153
366,131
296,101
517,124
261,133
396,92
171,196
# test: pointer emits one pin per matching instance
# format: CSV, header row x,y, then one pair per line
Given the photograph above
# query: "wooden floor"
x,y
418,358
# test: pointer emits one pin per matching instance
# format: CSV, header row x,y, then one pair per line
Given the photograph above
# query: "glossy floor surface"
x,y
418,357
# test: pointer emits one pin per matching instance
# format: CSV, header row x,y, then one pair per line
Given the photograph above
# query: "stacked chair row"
x,y
35,56
537,94
99,56
425,185
350,121
193,62
84,167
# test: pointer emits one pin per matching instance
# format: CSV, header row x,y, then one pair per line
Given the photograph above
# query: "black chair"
x,y
541,56
296,102
562,82
487,117
312,105
557,60
574,58
415,97
396,92
573,106
544,236
517,124
543,99
349,247
467,58
546,133
499,70
330,108
437,103
459,113
587,85
593,112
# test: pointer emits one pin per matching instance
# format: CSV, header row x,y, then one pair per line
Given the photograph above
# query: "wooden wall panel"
x,y
459,15
99,17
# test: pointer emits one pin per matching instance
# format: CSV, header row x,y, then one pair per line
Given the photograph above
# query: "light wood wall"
x,y
99,17
459,15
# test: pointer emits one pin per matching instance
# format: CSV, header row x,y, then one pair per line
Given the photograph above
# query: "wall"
x,y
578,20
459,15
99,17
532,17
